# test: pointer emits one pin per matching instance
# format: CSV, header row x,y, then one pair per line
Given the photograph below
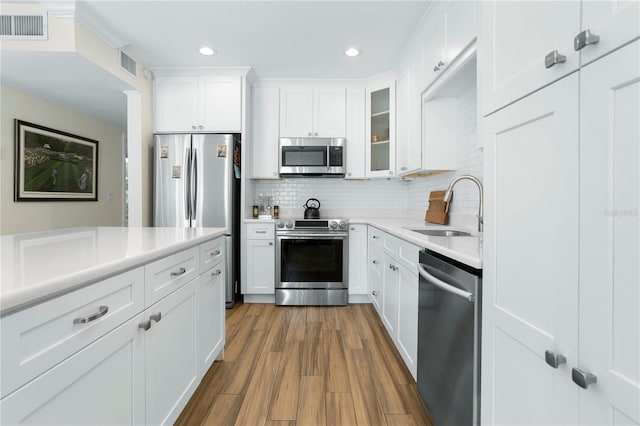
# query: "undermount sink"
x,y
441,232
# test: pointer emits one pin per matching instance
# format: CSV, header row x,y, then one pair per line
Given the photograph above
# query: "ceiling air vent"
x,y
23,27
128,64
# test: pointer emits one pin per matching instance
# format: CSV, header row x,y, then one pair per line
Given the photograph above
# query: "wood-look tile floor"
x,y
311,366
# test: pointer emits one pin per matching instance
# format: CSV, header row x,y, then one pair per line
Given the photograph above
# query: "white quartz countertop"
x,y
467,250
37,266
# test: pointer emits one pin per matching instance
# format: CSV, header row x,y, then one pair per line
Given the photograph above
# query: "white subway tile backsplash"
x,y
378,195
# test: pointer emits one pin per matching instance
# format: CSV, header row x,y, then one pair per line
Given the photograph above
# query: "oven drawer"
x,y
262,231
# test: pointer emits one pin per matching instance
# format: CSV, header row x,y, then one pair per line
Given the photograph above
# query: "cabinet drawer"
x,y
375,236
170,273
376,260
408,255
264,231
37,338
389,244
211,253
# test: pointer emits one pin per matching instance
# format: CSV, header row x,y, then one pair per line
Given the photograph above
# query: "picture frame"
x,y
52,165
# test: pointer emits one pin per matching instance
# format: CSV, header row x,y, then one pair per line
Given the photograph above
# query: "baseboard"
x,y
359,298
259,298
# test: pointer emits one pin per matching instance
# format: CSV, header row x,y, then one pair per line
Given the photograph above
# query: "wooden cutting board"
x,y
438,209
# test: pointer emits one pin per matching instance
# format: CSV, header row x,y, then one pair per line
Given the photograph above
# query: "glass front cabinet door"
x,y
381,131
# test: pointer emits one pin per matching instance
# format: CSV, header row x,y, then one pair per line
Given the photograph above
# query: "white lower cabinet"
x,y
357,268
261,259
393,285
94,371
102,384
171,370
211,316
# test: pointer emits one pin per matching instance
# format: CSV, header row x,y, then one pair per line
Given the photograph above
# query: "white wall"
x,y
19,217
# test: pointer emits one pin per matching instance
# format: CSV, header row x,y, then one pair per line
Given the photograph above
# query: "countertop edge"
x,y
47,290
429,243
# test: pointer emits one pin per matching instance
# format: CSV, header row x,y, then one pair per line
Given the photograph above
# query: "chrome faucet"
x,y
449,193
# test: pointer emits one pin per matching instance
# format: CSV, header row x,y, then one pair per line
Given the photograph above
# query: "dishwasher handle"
x,y
445,286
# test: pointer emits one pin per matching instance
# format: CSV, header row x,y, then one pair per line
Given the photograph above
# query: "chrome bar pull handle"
x,y
102,311
214,253
438,66
582,378
585,38
554,359
156,317
216,273
145,325
554,58
180,271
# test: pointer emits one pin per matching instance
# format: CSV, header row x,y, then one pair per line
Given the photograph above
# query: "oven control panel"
x,y
322,225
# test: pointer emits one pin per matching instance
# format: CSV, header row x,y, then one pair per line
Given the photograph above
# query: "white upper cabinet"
x,y
356,133
308,112
409,126
380,145
265,132
454,30
525,46
197,104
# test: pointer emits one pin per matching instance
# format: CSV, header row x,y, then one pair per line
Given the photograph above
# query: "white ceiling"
x,y
279,39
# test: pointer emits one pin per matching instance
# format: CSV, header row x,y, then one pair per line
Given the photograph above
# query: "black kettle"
x,y
312,209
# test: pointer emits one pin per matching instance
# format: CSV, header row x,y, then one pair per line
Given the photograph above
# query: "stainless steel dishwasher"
x,y
449,339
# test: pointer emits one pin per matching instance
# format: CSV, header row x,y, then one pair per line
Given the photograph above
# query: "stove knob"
x,y
289,224
279,223
343,224
333,224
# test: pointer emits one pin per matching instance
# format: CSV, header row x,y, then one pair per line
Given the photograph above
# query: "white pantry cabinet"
x,y
313,111
610,238
515,38
357,260
356,133
197,103
561,342
261,258
531,159
265,132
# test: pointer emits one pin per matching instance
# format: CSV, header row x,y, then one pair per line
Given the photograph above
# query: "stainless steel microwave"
x,y
312,157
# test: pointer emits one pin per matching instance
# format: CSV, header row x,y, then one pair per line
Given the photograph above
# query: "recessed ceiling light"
x,y
207,51
352,52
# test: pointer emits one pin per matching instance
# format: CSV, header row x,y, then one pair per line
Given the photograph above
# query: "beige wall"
x,y
19,217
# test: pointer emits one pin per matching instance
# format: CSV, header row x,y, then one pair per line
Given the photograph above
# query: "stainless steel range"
x,y
312,262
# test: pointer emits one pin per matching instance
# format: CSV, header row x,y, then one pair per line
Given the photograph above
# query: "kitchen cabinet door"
x,y
356,133
407,335
375,276
409,126
171,369
615,22
357,259
211,316
610,238
531,242
329,112
265,132
433,54
296,112
515,38
103,383
390,296
175,103
461,28
220,104
381,144
261,263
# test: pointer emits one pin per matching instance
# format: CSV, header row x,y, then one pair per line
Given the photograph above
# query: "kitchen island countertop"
x,y
38,266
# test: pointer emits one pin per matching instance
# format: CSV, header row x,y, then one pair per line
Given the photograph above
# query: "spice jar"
x,y
255,212
276,212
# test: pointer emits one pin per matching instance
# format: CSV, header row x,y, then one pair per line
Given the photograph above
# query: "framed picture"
x,y
51,165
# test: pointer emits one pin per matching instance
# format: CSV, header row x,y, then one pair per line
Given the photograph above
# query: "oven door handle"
x,y
443,285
